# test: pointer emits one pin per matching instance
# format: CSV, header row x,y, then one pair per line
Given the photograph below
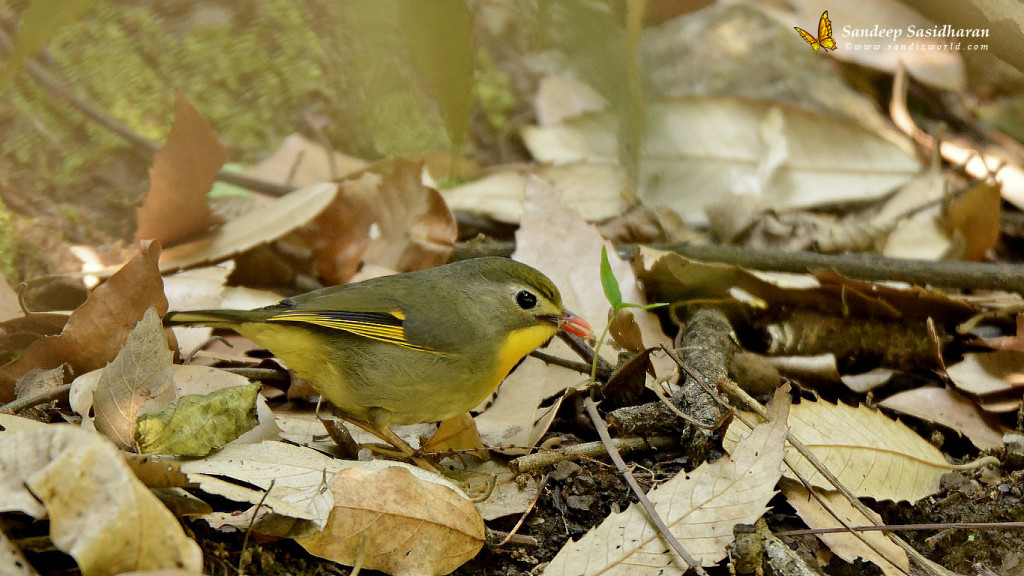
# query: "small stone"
x,y
563,470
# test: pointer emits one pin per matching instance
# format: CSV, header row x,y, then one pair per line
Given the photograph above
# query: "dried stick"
x,y
645,503
545,458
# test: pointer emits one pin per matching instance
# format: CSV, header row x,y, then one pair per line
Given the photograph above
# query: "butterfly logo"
x,y
824,39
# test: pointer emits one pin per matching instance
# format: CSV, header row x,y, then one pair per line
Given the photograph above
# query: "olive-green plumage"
x,y
408,348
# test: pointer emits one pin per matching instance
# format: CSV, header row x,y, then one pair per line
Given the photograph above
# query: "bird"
x,y
408,348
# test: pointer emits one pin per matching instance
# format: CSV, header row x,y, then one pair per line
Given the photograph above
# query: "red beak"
x,y
573,324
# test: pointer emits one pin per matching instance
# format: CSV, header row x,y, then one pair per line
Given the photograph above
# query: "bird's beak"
x,y
573,324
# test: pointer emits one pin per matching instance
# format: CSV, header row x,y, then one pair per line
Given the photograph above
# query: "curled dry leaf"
x,y
873,455
700,508
95,332
140,371
885,553
951,409
386,217
263,224
974,215
397,524
99,511
183,171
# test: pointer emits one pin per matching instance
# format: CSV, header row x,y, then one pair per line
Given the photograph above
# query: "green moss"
x,y
494,91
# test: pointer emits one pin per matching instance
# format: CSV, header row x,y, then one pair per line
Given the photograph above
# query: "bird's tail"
x,y
213,318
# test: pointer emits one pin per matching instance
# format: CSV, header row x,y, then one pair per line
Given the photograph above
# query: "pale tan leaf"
x,y
99,511
871,454
301,162
724,147
406,526
458,433
197,289
951,409
183,171
986,373
559,99
263,224
595,191
140,371
12,561
846,546
700,508
9,307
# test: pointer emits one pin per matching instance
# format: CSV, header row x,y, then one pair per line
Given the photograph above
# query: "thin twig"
x,y
645,503
909,527
526,513
248,530
545,458
41,397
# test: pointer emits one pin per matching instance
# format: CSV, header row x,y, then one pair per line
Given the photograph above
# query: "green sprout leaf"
x,y
608,281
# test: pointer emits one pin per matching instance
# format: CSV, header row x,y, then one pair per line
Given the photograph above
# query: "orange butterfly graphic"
x,y
824,39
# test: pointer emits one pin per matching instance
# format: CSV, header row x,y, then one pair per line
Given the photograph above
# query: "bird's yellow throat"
x,y
520,343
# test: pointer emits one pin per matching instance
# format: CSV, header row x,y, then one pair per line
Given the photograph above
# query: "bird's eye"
x,y
526,299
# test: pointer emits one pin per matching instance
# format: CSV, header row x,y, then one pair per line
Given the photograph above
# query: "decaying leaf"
x,y
183,171
96,330
99,511
402,526
871,454
265,223
195,425
699,507
846,546
387,217
140,371
951,409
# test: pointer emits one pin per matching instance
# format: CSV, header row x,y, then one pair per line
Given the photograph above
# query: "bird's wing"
x,y
384,326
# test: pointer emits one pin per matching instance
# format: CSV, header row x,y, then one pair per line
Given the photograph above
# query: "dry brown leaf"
x,y
402,525
96,331
700,508
458,433
984,373
264,224
183,171
951,409
99,512
975,216
300,162
871,454
386,217
846,546
140,371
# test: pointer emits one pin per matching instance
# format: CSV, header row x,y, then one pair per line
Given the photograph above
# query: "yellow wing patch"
x,y
824,39
380,326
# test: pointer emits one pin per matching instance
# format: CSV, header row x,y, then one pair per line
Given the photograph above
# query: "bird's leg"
x,y
379,425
